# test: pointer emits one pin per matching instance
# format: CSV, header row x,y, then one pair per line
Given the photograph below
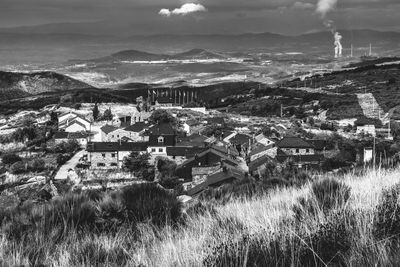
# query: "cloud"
x,y
325,6
165,12
302,5
184,10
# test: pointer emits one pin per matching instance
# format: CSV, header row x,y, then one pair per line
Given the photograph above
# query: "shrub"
x,y
387,216
95,253
37,165
18,168
330,193
149,202
329,244
10,159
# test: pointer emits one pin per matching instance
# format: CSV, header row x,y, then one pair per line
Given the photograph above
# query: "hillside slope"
x,y
15,85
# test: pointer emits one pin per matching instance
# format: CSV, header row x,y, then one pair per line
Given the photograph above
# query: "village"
x,y
171,140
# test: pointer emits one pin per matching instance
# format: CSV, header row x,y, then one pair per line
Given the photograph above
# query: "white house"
x,y
366,129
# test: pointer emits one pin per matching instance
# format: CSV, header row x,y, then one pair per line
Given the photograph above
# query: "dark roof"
x,y
116,146
184,151
192,140
162,129
220,153
216,120
253,165
318,144
293,142
61,135
165,100
66,135
108,129
240,139
258,148
137,127
216,179
226,150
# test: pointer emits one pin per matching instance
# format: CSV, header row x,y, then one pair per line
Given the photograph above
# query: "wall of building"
x,y
299,151
74,128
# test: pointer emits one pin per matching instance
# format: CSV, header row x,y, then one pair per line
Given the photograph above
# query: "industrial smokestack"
x,y
338,45
323,8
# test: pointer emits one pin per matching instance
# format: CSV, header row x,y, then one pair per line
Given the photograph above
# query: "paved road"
x,y
63,171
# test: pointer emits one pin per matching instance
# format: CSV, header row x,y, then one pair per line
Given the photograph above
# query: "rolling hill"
x,y
15,85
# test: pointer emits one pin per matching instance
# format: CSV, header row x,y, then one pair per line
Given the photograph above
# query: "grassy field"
x,y
351,220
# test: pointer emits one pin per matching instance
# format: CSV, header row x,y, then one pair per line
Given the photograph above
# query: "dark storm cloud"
x,y
141,16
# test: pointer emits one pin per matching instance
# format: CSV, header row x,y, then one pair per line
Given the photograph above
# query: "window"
x,y
160,139
117,136
101,164
113,164
153,150
103,155
297,151
160,150
113,155
307,150
112,136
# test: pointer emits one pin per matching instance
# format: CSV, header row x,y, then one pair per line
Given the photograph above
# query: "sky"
x,y
130,17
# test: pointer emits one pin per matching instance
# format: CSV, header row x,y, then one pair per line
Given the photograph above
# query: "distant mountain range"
x,y
135,55
63,42
15,84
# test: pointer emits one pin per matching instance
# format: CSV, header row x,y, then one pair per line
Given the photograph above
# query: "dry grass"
x,y
250,224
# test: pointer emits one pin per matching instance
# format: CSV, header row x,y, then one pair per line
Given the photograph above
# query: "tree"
x,y
37,165
162,116
53,118
139,165
18,168
166,168
9,159
95,112
108,116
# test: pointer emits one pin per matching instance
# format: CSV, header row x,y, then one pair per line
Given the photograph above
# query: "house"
x,y
110,155
295,146
194,140
259,166
224,175
164,101
136,131
366,129
71,122
106,130
211,157
160,137
139,116
258,150
80,137
298,151
218,121
180,154
186,128
262,139
74,126
242,142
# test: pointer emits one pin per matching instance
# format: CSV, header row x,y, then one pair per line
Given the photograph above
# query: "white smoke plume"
x,y
338,45
184,10
323,8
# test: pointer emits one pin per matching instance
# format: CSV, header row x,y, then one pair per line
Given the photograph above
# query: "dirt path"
x,y
63,171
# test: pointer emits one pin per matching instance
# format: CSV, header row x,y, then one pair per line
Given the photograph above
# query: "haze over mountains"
x,y
46,43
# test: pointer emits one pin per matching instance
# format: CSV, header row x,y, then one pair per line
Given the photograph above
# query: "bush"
x,y
148,202
67,147
387,216
10,159
329,244
18,168
330,193
37,165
